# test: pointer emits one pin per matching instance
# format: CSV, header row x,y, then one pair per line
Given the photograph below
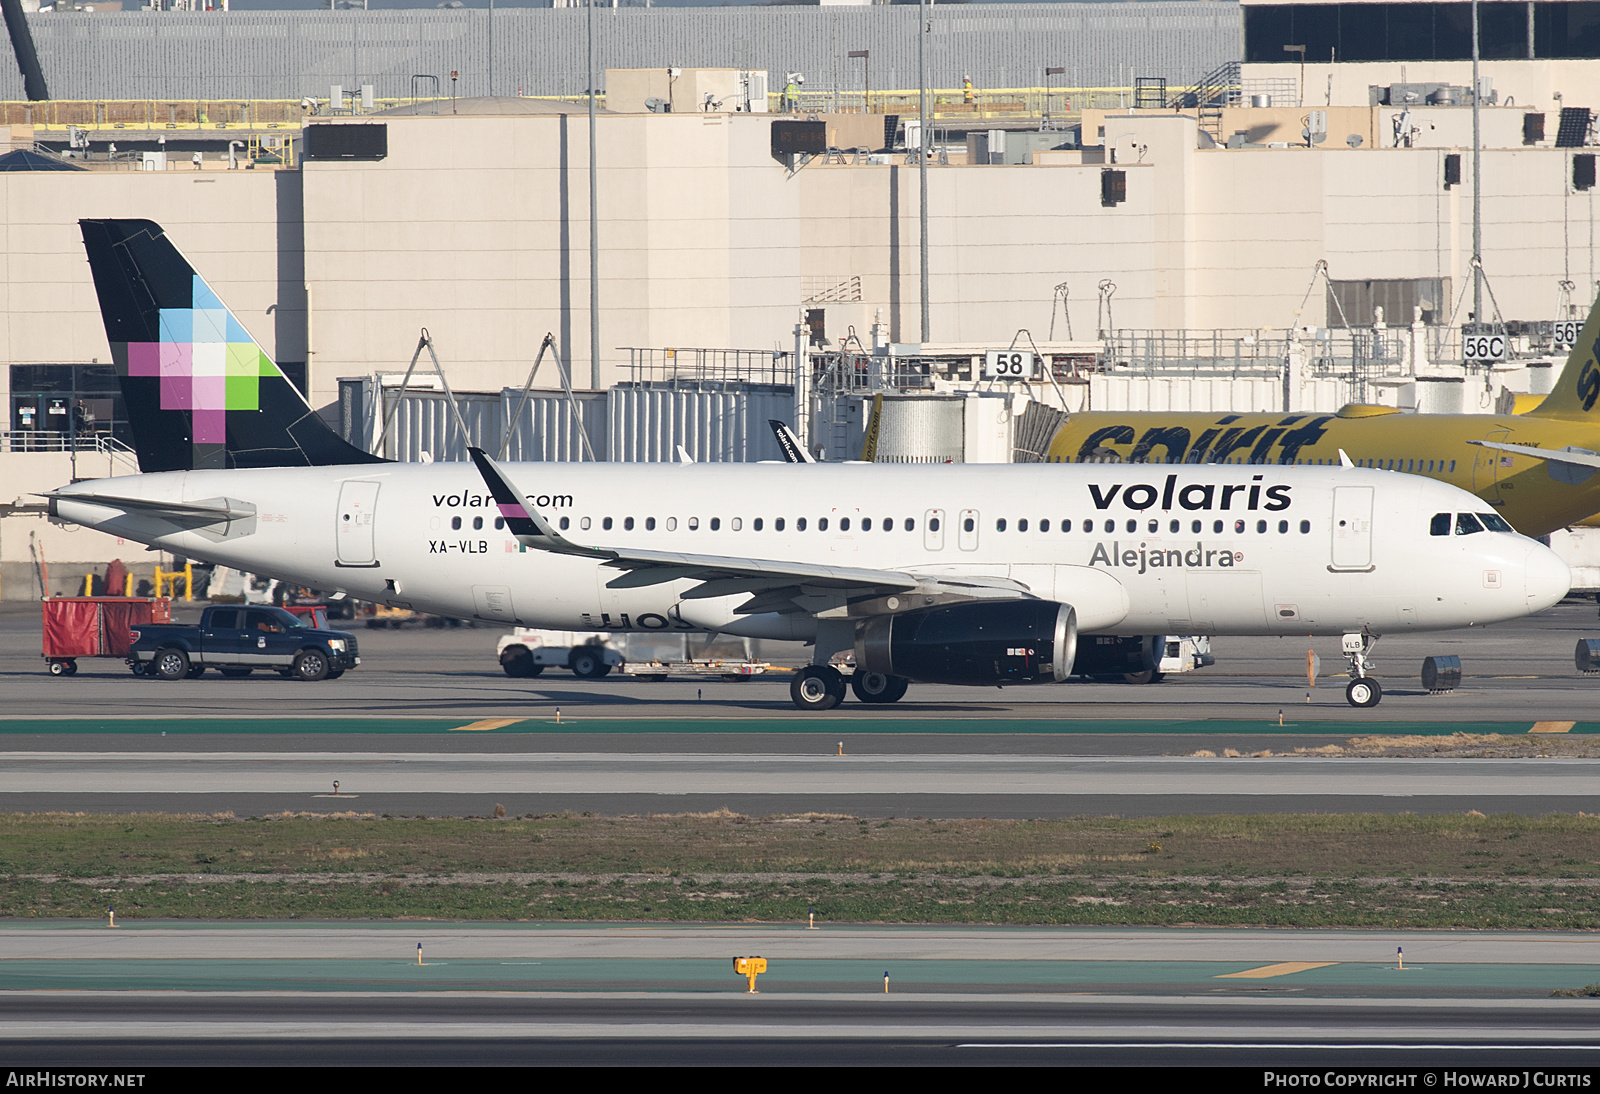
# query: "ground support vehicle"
x,y
526,652
94,626
732,671
237,640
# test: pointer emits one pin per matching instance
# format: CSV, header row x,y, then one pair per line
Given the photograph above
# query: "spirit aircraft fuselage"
x,y
1135,549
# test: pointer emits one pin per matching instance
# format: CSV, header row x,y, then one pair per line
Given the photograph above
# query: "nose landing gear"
x,y
1363,690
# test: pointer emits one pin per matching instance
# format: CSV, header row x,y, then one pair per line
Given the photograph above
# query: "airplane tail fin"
x,y
200,392
1576,390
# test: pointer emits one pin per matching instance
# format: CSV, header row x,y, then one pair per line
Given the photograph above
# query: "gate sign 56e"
x,y
1484,347
1008,365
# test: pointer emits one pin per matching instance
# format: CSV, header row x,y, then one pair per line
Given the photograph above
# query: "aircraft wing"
x,y
774,586
1576,457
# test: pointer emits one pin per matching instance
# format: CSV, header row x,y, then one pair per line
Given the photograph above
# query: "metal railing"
x,y
181,114
698,365
1243,353
117,454
1001,102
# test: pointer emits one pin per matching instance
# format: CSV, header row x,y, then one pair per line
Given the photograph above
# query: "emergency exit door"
x,y
358,505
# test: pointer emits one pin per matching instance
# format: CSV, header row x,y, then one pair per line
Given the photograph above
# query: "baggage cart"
x,y
95,626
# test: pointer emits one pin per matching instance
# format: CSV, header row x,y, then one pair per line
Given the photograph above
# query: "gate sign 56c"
x,y
1484,347
1008,365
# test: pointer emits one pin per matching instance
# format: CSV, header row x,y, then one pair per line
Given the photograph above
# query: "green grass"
x,y
1285,870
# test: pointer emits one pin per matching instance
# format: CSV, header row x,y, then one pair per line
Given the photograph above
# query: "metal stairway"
x,y
1216,89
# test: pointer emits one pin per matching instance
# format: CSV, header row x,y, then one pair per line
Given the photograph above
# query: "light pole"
x,y
1301,50
866,63
594,228
1049,92
1477,183
924,14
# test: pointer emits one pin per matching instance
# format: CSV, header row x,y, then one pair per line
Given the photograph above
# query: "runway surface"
x,y
429,725
971,784
89,995
1511,671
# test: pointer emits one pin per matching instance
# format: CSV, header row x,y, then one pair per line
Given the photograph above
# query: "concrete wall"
x,y
241,229
478,229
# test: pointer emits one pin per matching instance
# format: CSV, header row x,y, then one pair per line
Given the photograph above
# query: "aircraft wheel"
x,y
1363,691
1148,676
587,664
170,664
877,687
196,671
517,661
310,666
817,687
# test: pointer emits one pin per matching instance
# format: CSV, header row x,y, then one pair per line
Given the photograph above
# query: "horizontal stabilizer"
x,y
182,511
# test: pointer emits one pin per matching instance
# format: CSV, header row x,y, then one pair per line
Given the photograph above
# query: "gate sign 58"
x,y
1484,347
1008,365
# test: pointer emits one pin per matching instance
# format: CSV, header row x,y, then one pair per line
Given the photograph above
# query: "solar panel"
x,y
1574,128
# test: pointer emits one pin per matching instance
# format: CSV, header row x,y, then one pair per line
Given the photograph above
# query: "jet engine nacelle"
x,y
985,642
1117,655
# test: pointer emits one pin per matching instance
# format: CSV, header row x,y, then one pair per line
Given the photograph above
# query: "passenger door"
x,y
1352,528
358,504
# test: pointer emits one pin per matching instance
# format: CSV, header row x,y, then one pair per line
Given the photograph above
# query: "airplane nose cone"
x,y
1546,576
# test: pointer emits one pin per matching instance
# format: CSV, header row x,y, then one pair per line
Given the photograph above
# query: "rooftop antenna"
x,y
1103,321
424,341
1060,298
549,344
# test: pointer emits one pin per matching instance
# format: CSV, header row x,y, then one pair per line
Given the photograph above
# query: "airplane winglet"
x,y
683,455
788,443
529,527
1345,461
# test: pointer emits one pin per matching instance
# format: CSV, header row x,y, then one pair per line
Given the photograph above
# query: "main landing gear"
x,y
817,687
1363,690
822,687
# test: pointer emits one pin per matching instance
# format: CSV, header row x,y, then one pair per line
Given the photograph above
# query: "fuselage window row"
x,y
969,524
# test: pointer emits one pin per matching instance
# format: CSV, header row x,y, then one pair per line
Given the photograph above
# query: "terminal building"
x,y
1223,219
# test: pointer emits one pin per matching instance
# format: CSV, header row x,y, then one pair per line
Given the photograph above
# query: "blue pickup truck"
x,y
236,640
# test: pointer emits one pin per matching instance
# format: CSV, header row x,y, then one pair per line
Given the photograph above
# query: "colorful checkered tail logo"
x,y
199,391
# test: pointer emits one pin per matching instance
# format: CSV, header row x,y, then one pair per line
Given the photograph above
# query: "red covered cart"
x,y
95,626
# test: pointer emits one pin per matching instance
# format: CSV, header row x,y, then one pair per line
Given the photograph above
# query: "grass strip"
x,y
1353,870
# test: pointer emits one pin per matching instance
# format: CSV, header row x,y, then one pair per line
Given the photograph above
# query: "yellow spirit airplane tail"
x,y
1577,390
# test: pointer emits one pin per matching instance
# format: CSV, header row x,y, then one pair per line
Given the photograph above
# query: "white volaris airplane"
x,y
976,574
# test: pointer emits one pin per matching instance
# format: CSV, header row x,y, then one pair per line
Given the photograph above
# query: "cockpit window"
x,y
1466,524
1495,522
1440,525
